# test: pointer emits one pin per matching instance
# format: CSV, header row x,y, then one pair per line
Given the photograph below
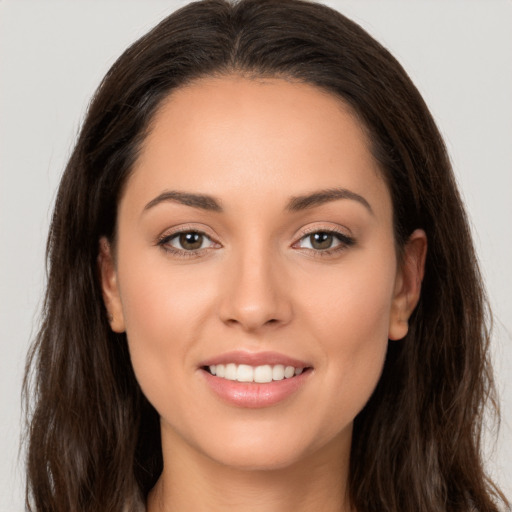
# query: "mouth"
x,y
255,380
261,374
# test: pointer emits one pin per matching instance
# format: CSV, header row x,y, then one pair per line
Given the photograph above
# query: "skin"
x,y
259,285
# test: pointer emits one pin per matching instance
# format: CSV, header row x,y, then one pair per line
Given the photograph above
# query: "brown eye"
x,y
325,241
190,241
187,241
321,240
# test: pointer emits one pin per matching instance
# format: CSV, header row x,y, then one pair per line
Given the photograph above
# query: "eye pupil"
x,y
191,241
321,240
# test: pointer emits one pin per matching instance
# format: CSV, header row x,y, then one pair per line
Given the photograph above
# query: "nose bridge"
x,y
255,295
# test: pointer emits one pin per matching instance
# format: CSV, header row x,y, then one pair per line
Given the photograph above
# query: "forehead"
x,y
232,136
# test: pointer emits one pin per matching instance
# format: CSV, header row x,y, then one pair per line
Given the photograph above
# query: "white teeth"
x,y
245,373
230,371
278,372
289,371
261,374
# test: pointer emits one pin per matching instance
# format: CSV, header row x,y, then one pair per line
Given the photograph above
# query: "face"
x,y
255,242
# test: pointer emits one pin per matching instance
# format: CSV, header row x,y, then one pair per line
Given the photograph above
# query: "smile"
x,y
260,374
255,380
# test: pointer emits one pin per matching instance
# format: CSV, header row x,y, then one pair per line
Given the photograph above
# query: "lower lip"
x,y
255,395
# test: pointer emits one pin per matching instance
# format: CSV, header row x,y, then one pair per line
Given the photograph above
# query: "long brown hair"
x,y
93,438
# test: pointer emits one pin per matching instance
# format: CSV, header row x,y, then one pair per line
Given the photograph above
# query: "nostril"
x,y
251,323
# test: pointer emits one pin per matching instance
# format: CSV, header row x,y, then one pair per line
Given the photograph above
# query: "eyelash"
x,y
164,240
344,240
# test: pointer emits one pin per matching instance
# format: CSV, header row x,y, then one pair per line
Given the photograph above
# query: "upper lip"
x,y
255,359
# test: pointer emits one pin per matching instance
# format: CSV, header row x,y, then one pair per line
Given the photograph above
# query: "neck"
x,y
192,481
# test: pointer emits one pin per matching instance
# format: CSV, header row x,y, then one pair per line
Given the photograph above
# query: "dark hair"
x,y
93,438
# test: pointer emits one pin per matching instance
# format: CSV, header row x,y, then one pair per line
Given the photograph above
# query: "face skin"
x,y
258,281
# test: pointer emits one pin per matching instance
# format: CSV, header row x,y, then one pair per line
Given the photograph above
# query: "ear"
x,y
109,286
408,284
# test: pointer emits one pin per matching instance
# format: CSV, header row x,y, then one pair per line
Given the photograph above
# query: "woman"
x,y
262,290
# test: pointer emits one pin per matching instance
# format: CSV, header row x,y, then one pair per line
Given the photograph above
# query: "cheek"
x,y
164,316
161,300
352,302
349,313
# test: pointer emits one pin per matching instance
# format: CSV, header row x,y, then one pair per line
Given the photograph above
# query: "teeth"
x,y
230,371
289,371
263,374
260,374
244,373
278,372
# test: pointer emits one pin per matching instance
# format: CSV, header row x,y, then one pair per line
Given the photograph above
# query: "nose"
x,y
254,295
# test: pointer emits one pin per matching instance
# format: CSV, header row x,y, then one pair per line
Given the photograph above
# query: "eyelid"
x,y
168,234
186,228
323,228
345,239
176,236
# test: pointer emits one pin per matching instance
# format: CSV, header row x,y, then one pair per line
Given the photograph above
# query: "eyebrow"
x,y
295,204
320,197
202,201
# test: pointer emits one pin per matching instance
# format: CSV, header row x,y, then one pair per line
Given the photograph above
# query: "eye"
x,y
325,241
186,241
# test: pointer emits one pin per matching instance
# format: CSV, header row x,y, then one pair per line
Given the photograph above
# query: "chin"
x,y
275,449
250,459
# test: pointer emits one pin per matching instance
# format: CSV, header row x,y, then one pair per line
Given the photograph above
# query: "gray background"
x,y
52,56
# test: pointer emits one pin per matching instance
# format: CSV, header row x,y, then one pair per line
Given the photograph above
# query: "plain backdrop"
x,y
52,56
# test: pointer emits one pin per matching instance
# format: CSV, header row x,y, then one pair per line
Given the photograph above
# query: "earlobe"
x,y
408,284
109,286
